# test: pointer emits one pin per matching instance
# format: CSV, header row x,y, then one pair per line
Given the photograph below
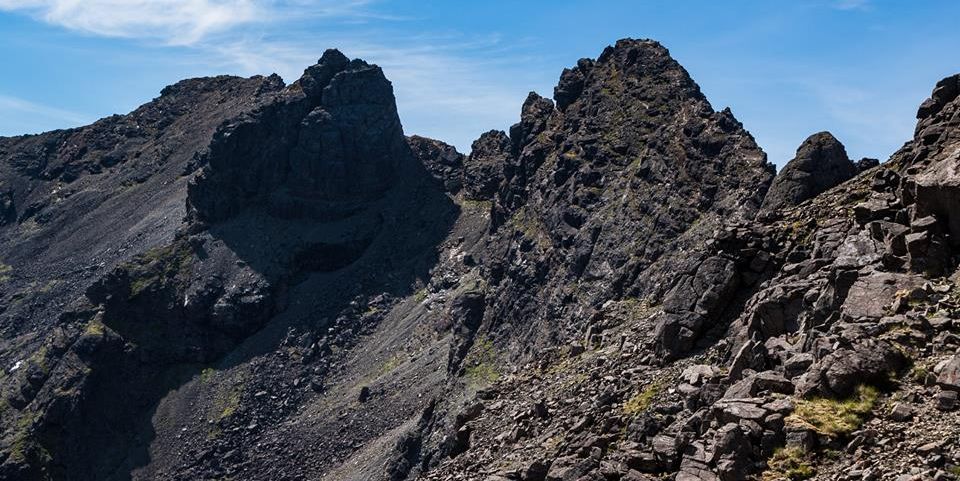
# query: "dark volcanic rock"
x,y
821,163
443,161
144,301
937,187
333,136
632,162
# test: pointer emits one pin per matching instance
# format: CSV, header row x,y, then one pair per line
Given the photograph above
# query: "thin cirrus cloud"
x,y
851,4
14,110
173,22
476,78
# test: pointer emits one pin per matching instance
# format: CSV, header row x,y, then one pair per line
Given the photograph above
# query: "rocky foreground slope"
x,y
248,280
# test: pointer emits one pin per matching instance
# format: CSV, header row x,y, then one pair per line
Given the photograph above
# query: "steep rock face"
x,y
82,203
589,197
935,155
443,161
333,136
78,202
821,163
305,196
590,296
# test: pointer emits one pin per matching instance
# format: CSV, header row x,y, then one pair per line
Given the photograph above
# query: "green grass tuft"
x,y
789,463
833,417
5,272
420,295
481,364
641,401
159,265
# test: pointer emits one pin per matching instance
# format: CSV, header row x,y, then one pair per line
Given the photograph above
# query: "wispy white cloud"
x,y
851,4
171,21
10,106
19,116
176,22
478,80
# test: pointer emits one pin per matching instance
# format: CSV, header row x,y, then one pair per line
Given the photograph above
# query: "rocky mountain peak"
x,y
934,156
627,65
316,77
333,136
945,92
630,161
821,163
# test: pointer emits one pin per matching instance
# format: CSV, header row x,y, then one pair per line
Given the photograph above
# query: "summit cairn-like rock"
x,y
821,163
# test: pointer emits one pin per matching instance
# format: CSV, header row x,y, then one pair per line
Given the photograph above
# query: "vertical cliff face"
x,y
270,209
333,136
77,202
934,153
81,204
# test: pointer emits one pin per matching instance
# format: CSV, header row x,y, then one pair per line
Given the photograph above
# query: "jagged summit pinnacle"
x,y
945,92
628,63
335,136
317,76
821,162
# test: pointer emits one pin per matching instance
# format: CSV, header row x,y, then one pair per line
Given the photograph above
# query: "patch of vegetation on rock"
x,y
5,271
157,265
789,463
481,364
836,417
641,401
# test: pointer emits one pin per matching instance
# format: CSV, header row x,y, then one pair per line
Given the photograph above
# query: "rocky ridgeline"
x,y
594,199
840,362
272,282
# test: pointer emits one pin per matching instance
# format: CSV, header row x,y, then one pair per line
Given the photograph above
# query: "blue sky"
x,y
858,68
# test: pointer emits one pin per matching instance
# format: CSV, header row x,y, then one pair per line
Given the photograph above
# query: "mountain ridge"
x,y
251,280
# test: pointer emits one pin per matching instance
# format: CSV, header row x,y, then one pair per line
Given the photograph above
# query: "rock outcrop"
x,y
821,163
935,153
333,136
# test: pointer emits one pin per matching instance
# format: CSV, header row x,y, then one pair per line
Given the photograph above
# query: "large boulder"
x,y
949,377
840,372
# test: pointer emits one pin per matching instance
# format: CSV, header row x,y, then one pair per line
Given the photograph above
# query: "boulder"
x,y
840,372
753,385
949,377
699,374
946,400
570,468
901,412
